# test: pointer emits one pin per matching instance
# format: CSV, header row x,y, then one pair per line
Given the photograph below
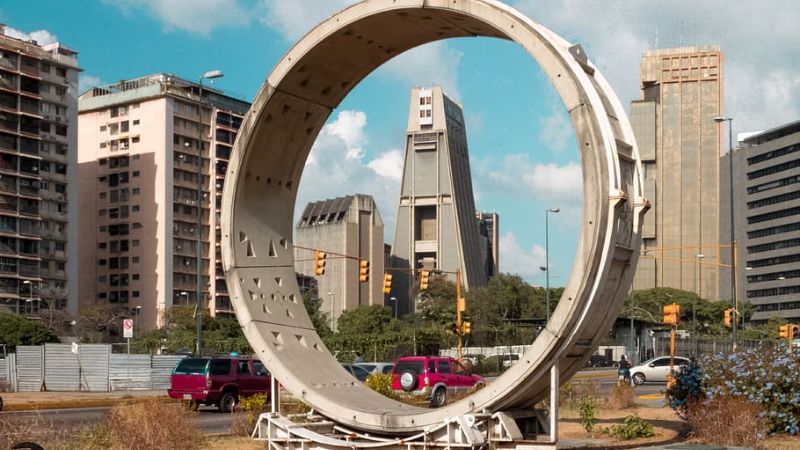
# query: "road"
x,y
606,382
208,419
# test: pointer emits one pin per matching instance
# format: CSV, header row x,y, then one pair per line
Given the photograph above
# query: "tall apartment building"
x,y
139,159
435,227
489,230
349,229
38,176
766,184
680,146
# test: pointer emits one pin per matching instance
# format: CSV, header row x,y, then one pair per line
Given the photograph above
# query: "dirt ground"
x,y
669,428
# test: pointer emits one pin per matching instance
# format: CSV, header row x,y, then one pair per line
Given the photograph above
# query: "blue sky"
x,y
521,144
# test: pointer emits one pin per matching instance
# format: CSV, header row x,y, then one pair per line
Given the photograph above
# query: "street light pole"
x,y
199,315
330,296
394,300
30,296
734,302
698,257
547,260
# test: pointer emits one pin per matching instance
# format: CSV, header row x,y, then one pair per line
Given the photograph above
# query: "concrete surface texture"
x,y
269,156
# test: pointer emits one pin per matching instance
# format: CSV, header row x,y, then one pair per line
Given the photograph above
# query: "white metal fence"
x,y
85,367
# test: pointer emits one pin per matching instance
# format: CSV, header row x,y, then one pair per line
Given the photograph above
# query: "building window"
x,y
103,128
136,122
61,265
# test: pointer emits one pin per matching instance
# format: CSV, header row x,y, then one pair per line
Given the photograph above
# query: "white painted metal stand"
x,y
533,429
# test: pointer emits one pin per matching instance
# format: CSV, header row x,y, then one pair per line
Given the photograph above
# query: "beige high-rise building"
x,y
680,147
436,228
38,176
139,160
349,229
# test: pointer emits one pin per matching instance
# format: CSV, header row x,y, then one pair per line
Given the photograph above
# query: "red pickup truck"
x,y
218,381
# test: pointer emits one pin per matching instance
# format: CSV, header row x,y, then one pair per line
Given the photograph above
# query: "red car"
x,y
218,381
432,377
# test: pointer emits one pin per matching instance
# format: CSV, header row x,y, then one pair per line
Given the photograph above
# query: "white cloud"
x,y
555,129
295,18
337,166
516,260
388,164
86,82
193,16
42,37
517,174
431,64
762,85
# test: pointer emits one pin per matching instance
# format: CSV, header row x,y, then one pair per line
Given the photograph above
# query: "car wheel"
x,y
638,378
228,402
408,380
438,398
189,405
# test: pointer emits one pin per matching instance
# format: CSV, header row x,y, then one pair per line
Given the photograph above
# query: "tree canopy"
x,y
18,330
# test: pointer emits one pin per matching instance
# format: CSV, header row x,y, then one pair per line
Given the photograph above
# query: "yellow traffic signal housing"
x,y
728,320
466,327
363,271
387,283
424,279
461,304
789,331
319,262
671,313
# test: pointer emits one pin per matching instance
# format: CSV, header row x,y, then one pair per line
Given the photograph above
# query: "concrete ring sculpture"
x,y
268,159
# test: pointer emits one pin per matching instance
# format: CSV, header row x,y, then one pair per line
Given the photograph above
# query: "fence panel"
x,y
11,370
3,369
30,373
162,370
129,372
61,368
94,367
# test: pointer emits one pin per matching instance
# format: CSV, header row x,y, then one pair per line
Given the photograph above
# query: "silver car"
x,y
376,367
655,369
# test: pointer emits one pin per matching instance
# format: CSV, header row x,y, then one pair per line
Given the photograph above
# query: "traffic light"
x,y
363,271
424,279
461,304
319,262
671,313
728,320
466,327
789,331
387,283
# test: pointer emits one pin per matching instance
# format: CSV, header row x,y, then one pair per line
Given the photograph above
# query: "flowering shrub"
x,y
687,389
770,378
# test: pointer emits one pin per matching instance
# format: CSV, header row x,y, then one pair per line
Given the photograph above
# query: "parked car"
x,y
376,367
432,377
655,369
357,371
218,381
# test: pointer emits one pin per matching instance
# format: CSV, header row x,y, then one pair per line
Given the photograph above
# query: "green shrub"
x,y
632,428
687,388
587,411
381,383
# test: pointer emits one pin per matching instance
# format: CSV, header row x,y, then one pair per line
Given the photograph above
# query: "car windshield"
x,y
192,366
367,367
417,367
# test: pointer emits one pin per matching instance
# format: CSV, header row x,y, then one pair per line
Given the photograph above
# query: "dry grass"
x,y
623,396
737,417
15,430
232,443
152,424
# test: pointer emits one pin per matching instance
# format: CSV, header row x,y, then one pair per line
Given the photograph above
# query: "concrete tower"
x,y
436,227
680,147
349,226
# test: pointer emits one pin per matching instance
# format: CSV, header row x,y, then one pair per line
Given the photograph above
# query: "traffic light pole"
x,y
459,330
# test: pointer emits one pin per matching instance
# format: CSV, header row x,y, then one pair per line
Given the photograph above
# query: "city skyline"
x,y
505,123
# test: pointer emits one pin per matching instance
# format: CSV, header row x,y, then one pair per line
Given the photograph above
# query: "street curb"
x,y
593,374
74,404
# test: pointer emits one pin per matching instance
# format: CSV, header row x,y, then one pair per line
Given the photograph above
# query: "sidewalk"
x,y
26,401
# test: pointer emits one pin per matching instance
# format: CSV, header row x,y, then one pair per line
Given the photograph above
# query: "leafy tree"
x,y
100,322
437,304
18,330
367,320
220,335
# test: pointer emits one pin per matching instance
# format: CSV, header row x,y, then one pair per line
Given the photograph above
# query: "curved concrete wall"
x,y
268,159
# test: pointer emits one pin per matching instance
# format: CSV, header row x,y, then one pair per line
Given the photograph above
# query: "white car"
x,y
655,369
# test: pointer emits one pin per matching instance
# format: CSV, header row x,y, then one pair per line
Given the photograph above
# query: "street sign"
x,y
127,328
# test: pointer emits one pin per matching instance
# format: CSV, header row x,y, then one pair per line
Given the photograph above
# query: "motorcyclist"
x,y
624,369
